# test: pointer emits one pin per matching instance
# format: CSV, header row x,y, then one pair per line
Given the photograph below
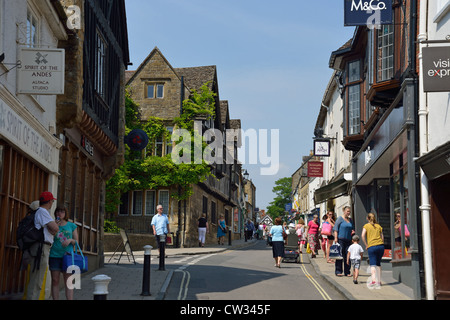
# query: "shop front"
x,y
384,183
29,158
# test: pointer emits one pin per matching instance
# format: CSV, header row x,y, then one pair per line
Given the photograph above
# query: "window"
x,y
150,202
353,71
155,90
32,40
385,67
164,200
137,203
169,142
399,187
205,206
213,212
123,209
159,143
354,109
100,73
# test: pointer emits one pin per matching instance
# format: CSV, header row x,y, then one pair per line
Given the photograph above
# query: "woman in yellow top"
x,y
372,235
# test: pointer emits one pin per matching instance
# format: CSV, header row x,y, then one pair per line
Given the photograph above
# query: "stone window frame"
x,y
155,85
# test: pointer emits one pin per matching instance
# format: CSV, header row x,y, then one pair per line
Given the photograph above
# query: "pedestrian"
x,y
300,230
344,229
202,230
375,248
276,232
39,283
63,243
354,257
330,220
313,235
160,225
221,230
249,226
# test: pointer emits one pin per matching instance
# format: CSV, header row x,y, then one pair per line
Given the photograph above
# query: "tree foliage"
x,y
282,190
143,170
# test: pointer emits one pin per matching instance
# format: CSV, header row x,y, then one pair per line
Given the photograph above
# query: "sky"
x,y
272,65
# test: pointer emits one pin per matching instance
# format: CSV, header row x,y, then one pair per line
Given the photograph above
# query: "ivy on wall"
x,y
143,170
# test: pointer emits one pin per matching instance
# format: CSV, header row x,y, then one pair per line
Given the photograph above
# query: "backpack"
x,y
27,234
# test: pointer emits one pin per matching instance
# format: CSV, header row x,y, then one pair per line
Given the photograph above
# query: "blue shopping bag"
x,y
76,259
336,251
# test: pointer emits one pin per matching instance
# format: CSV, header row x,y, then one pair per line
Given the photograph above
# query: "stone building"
x,y
159,90
90,116
29,149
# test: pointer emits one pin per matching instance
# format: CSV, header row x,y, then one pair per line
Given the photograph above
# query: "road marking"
x,y
184,286
322,292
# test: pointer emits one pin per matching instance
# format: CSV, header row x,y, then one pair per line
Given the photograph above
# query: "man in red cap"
x,y
39,284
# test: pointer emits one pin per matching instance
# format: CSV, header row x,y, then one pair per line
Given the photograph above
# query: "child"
x,y
355,252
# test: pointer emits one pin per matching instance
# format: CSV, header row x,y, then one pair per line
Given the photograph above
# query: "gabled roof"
x,y
132,74
195,77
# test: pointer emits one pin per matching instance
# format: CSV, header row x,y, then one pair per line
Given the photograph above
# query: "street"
x,y
245,274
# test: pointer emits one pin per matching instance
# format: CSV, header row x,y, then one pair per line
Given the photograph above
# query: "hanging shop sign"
x,y
436,69
367,12
41,71
321,148
315,169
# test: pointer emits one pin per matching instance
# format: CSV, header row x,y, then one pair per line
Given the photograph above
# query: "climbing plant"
x,y
144,170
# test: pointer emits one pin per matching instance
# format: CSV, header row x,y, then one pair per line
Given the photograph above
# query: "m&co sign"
x,y
367,12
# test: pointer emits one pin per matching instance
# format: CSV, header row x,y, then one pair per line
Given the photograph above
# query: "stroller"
x,y
291,251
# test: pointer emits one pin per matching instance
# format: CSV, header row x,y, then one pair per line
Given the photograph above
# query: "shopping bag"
x,y
308,248
335,251
76,259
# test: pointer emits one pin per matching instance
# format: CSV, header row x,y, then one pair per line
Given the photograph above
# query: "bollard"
x,y
229,237
162,251
101,283
146,276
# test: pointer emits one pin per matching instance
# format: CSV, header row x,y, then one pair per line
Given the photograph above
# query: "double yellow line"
x,y
322,292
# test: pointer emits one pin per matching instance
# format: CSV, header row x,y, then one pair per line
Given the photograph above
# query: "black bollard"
x,y
146,276
162,252
229,237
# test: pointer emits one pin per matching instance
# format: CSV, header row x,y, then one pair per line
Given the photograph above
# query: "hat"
x,y
34,205
46,196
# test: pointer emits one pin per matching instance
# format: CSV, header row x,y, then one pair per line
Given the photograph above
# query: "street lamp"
x,y
246,175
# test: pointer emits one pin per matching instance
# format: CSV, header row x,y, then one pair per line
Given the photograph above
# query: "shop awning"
x,y
332,190
436,163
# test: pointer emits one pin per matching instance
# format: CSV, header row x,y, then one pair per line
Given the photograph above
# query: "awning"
x,y
436,163
332,190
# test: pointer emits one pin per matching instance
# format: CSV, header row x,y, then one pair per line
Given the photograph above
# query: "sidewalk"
x,y
126,277
390,288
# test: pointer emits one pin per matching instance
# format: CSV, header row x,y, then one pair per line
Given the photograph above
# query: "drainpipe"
x,y
423,149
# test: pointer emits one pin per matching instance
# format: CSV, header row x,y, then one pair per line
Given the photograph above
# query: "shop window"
x,y
399,187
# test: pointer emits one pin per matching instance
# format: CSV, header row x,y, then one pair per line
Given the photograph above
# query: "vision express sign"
x,y
436,69
367,12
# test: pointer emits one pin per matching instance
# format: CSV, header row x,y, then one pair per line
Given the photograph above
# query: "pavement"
x,y
127,277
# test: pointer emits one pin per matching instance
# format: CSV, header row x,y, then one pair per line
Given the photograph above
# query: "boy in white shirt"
x,y
355,252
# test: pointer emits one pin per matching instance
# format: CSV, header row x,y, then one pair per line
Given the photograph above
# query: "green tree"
x,y
282,190
147,171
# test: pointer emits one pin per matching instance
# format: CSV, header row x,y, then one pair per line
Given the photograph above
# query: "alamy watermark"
x,y
73,13
218,143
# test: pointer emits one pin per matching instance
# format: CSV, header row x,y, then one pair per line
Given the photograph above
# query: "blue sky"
x,y
271,57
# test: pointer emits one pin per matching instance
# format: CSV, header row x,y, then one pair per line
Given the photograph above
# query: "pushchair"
x,y
291,251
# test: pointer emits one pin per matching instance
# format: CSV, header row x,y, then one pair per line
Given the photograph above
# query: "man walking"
x,y
160,224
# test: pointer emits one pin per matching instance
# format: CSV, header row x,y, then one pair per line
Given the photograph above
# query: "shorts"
x,y
375,255
356,263
55,264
